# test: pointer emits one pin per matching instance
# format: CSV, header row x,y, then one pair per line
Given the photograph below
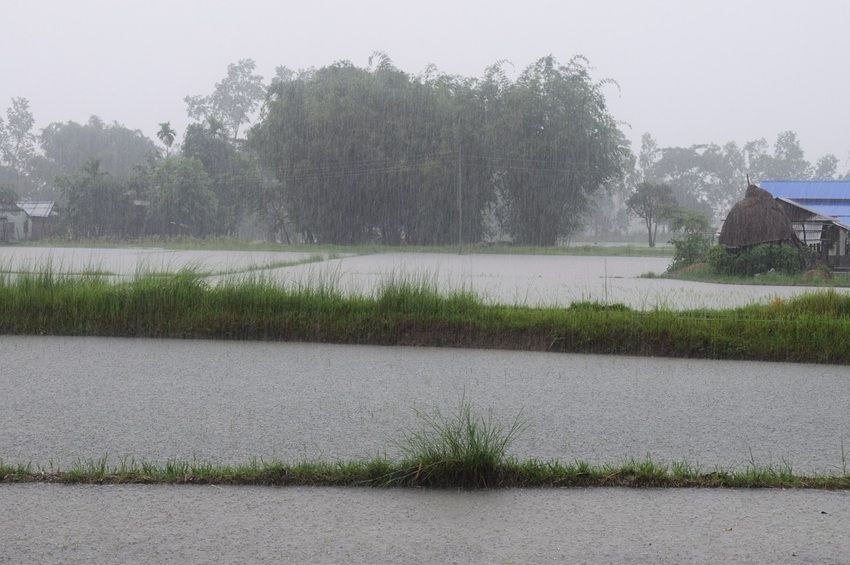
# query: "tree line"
x,y
349,154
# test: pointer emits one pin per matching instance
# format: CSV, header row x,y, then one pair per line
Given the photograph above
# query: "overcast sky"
x,y
689,71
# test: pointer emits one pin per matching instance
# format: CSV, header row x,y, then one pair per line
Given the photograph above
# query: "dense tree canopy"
x,y
234,178
560,146
377,154
96,203
68,146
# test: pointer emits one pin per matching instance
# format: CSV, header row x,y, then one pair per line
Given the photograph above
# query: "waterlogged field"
x,y
228,402
534,280
537,280
173,524
127,263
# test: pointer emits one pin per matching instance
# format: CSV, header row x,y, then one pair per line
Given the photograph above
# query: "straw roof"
x,y
756,219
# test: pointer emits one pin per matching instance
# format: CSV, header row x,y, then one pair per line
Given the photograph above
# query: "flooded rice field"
x,y
228,402
133,261
166,524
509,279
539,280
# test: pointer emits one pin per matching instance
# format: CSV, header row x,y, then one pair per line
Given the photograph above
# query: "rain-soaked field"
x,y
228,402
71,398
510,279
167,524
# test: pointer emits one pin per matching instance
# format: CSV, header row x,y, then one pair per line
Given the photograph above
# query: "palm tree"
x,y
166,135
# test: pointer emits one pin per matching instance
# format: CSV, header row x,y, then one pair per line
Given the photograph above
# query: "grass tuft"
x,y
464,449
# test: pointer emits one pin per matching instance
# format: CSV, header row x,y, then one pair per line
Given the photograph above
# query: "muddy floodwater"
x,y
227,402
167,524
508,279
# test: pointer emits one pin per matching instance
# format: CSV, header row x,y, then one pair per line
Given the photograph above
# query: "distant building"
x,y
26,220
41,217
820,215
14,223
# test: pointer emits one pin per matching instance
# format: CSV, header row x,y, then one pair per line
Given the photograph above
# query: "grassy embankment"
x,y
229,244
464,450
704,273
810,328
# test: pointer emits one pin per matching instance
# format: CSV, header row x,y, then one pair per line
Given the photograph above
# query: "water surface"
x,y
167,524
227,402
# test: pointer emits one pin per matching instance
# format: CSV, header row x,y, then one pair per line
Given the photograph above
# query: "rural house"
x,y
14,223
757,219
41,217
820,215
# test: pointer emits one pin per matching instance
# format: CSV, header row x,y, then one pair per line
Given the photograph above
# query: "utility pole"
x,y
459,191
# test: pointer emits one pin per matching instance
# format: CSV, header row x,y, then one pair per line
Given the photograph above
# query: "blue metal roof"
x,y
808,190
827,198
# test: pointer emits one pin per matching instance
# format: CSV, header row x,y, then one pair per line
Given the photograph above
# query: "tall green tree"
x,y
652,203
234,99
234,176
96,203
181,200
372,154
17,145
559,146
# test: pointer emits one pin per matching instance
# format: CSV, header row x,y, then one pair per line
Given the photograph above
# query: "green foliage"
x,y
8,195
464,449
590,306
652,203
688,221
233,101
827,303
692,249
546,188
97,203
68,146
181,199
184,305
381,472
762,258
166,135
377,155
234,175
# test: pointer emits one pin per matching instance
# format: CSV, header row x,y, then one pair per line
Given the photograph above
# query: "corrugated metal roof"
x,y
37,209
827,198
808,190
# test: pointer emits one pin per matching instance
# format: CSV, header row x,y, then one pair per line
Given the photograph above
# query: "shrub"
x,y
719,259
463,449
693,249
757,259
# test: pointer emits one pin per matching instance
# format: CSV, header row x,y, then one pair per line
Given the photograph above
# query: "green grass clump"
x,y
412,311
465,449
704,273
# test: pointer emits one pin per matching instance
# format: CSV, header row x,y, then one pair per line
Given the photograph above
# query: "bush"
x,y
758,259
693,249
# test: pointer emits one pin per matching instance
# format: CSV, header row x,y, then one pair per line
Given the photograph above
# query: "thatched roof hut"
x,y
756,219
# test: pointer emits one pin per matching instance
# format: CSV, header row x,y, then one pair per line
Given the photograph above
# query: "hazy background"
x,y
689,72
